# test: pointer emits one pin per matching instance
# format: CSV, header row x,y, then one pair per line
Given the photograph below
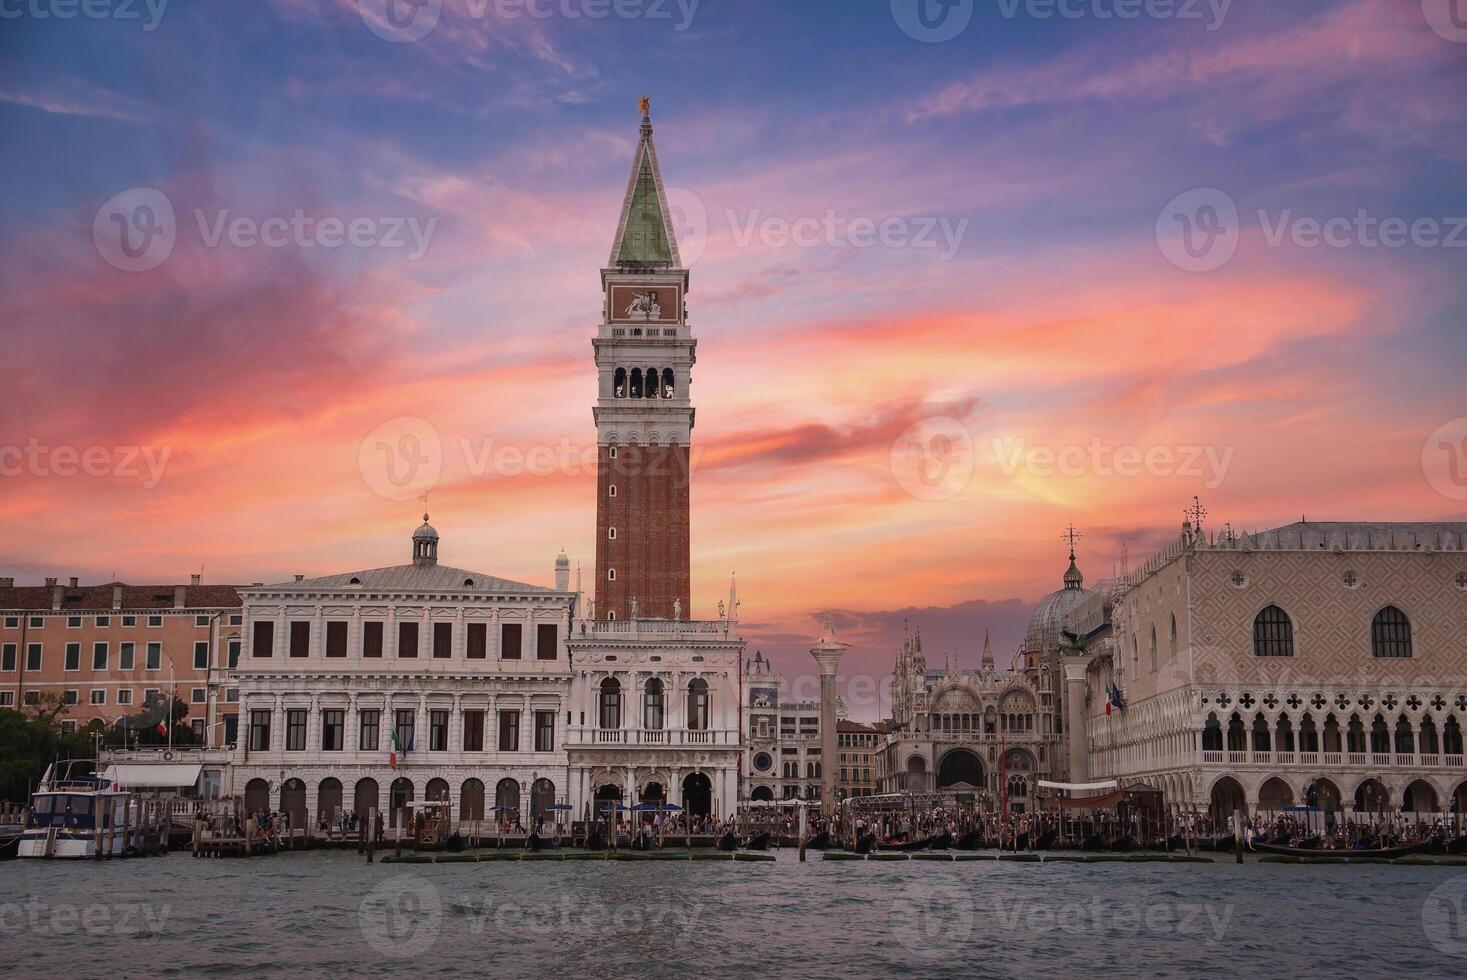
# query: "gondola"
x,y
968,842
1370,852
759,842
1046,840
728,842
1093,842
537,843
941,842
818,842
596,841
1457,845
1021,842
865,843
1122,843
644,841
916,844
1222,843
1175,843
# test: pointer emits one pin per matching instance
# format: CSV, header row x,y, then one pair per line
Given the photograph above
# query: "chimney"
x,y
73,582
50,583
7,583
300,578
194,579
180,596
55,593
116,595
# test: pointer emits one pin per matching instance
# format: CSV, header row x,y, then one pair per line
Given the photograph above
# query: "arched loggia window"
x,y
1273,633
609,704
619,386
652,705
651,382
668,384
635,390
698,705
1390,634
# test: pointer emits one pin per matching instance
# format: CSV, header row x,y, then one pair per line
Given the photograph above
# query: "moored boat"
x,y
968,842
818,842
758,842
74,812
1329,852
728,842
941,842
865,843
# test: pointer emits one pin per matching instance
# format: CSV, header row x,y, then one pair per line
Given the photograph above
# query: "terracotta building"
x,y
107,650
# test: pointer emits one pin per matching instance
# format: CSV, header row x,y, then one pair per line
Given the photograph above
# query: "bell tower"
x,y
644,354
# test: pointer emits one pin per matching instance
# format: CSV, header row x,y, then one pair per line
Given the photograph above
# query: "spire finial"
x,y
644,106
1071,535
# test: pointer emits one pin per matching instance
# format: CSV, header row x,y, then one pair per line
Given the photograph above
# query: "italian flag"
x,y
162,728
396,748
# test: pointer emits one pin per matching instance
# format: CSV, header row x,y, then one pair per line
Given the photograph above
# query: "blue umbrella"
x,y
560,806
672,808
503,806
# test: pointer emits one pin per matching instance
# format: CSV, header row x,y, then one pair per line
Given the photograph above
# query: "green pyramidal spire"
x,y
644,235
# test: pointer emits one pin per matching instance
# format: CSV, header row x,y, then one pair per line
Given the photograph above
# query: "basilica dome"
x,y
1048,617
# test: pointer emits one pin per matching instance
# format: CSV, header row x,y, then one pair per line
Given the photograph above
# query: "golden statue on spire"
x,y
644,106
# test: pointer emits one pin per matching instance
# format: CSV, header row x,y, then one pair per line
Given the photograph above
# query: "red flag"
x,y
162,728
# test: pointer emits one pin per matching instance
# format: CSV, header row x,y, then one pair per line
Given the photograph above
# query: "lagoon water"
x,y
331,913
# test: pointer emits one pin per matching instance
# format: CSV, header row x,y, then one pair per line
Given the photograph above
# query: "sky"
x,y
961,275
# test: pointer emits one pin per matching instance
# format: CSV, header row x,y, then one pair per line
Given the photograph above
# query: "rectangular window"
x,y
33,656
32,697
73,622
198,695
155,656
509,731
197,726
73,656
336,639
333,730
403,723
151,695
509,641
12,622
370,720
473,731
71,696
371,639
264,640
438,731
236,619
125,656
201,620
259,731
124,696
442,641
233,654
231,695
7,656
300,639
156,622
99,696
545,637
99,656
295,730
68,727
407,639
544,731
38,622
104,620
129,620
7,699
478,641
231,729
201,655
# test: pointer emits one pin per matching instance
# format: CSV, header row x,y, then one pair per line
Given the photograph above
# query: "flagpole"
x,y
172,693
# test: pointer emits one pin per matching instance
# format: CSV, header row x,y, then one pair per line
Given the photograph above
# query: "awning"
x,y
162,775
1080,787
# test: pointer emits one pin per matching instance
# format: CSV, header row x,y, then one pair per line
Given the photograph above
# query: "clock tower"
x,y
644,413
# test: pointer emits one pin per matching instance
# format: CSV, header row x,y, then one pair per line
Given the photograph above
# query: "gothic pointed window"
x,y
1273,633
1390,634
